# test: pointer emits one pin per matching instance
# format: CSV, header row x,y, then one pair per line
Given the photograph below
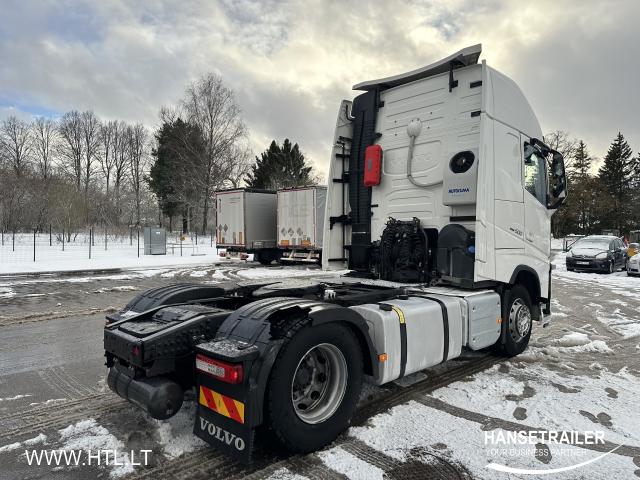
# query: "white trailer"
x,y
246,223
301,223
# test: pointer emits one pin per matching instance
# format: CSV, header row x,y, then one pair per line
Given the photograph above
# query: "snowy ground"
x,y
120,252
581,374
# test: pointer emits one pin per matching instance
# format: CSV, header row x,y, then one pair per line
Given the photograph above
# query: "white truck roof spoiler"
x,y
462,58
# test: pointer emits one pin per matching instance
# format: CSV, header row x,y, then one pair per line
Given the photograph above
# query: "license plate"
x,y
582,263
203,365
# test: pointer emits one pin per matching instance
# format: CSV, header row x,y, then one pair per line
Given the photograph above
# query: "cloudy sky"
x,y
290,63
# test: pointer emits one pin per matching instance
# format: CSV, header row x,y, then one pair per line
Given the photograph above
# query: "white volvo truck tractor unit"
x,y
439,203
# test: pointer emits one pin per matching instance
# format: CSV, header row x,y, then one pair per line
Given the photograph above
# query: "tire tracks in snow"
x,y
203,462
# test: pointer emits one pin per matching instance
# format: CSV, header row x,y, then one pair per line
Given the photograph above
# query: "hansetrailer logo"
x,y
455,191
527,443
222,435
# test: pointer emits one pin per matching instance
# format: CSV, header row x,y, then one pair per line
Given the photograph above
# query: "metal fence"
x,y
83,248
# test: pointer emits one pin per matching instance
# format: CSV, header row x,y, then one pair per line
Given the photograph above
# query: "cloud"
x,y
290,63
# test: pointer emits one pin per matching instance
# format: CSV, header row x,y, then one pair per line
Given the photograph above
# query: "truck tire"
x,y
265,258
517,320
314,387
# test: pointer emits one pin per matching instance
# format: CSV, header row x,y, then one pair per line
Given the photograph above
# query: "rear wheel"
x,y
314,387
517,320
611,267
265,258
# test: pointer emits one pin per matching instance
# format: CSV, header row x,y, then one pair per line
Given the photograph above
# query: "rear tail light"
x,y
227,372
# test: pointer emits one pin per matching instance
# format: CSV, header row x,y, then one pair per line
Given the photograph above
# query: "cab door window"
x,y
534,173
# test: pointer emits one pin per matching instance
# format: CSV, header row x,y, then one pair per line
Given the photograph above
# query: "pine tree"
x,y
617,174
582,161
280,167
176,159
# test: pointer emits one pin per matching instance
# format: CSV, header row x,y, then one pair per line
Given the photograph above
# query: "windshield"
x,y
600,243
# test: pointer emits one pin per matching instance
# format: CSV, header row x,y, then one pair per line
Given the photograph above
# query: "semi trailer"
x,y
246,224
301,223
439,201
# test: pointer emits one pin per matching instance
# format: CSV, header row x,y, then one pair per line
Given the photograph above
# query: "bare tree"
x,y
106,133
44,140
120,157
212,107
562,142
137,139
72,145
15,143
91,140
240,159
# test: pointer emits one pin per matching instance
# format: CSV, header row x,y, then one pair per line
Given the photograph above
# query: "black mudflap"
x,y
224,433
227,413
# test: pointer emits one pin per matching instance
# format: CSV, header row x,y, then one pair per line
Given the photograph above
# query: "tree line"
x,y
78,170
71,172
602,200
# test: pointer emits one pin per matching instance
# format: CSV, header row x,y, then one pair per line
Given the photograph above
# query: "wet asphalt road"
x,y
51,355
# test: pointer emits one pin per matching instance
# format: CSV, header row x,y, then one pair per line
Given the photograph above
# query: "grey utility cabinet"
x,y
155,241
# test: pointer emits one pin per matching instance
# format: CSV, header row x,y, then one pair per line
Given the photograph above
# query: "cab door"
x,y
537,233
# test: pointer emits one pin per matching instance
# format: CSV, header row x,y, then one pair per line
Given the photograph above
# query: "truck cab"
x,y
454,148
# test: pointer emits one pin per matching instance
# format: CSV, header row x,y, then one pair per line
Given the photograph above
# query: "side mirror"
x,y
557,190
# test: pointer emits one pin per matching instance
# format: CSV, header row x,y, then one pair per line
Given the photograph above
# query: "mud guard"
x,y
253,335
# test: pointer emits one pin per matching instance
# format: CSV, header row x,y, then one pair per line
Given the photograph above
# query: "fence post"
x,y
180,245
105,239
138,243
13,241
90,240
34,244
3,237
63,239
130,236
50,238
212,229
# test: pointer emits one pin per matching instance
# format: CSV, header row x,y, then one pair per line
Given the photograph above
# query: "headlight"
x,y
602,255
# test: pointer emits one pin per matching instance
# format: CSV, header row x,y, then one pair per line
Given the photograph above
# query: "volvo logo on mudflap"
x,y
222,435
456,191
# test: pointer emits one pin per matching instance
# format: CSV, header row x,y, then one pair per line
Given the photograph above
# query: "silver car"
x,y
633,266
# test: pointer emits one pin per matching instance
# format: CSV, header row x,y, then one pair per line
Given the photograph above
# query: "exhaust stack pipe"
x,y
159,397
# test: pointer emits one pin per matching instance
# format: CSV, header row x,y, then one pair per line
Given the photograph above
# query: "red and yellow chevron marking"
x,y
221,404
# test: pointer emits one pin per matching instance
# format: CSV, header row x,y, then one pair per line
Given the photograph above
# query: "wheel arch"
x,y
272,322
529,279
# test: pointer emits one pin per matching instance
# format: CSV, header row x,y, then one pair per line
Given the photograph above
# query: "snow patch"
x,y
6,292
42,438
344,462
123,288
285,474
176,434
17,397
89,435
554,401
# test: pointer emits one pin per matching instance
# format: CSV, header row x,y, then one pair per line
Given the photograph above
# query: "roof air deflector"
x,y
466,56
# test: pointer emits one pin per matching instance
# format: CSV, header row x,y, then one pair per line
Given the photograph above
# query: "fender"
x,y
269,322
525,268
166,295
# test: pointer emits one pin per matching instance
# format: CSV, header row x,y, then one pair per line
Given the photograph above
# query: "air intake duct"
x,y
456,254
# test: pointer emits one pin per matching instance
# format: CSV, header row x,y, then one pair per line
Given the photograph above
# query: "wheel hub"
x,y
519,320
319,383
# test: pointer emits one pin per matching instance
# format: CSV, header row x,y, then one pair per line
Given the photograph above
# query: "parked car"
x,y
597,253
633,266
